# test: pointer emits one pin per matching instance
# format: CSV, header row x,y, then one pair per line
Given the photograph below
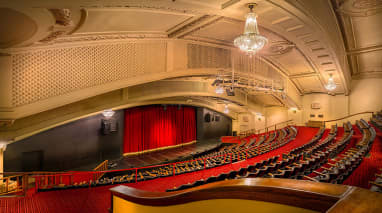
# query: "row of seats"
x,y
303,161
237,153
376,185
261,169
338,169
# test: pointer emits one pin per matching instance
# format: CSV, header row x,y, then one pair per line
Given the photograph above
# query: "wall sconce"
x,y
293,109
108,113
259,116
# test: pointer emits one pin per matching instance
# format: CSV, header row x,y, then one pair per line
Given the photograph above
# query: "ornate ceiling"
x,y
360,21
59,53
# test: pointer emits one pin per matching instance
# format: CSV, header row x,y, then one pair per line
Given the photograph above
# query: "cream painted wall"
x,y
246,121
274,115
331,107
366,95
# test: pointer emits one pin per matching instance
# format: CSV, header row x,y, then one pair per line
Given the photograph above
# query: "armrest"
x,y
328,169
311,179
319,173
375,184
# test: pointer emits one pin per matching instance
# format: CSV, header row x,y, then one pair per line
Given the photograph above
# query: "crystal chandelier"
x,y
331,85
251,41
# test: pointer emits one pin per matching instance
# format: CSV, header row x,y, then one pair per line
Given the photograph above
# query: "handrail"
x,y
13,184
101,167
348,116
253,131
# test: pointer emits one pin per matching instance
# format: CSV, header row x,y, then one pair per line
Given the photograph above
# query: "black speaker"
x,y
207,118
230,92
109,126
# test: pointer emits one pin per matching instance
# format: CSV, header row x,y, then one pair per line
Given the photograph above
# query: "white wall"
x,y
366,95
331,107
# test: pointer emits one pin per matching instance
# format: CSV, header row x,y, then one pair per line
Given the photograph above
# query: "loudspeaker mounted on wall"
x,y
109,126
207,118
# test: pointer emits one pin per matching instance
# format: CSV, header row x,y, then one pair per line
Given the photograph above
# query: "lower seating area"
x,y
326,155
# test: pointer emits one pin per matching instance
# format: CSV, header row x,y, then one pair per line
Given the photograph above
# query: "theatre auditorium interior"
x,y
167,106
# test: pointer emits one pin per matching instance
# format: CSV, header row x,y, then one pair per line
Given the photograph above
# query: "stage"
x,y
164,156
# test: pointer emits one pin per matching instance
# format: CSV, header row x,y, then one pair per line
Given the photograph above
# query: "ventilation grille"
x,y
208,57
49,73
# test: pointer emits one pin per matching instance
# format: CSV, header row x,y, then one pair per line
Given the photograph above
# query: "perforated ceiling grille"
x,y
208,57
43,74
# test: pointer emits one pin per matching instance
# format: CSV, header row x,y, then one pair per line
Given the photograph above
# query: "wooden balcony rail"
x,y
262,194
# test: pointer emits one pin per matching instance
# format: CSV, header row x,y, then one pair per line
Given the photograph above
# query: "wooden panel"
x,y
302,194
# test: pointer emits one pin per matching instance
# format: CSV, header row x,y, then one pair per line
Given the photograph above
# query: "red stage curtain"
x,y
153,127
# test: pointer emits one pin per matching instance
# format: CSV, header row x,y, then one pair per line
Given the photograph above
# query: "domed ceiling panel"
x,y
223,29
9,33
293,62
131,20
360,22
367,31
310,84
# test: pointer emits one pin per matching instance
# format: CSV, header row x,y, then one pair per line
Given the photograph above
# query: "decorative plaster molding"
x,y
279,48
360,8
63,24
63,16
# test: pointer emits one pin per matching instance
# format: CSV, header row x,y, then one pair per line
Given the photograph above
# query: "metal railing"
x,y
266,129
347,117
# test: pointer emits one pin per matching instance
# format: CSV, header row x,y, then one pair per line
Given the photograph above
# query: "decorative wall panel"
x,y
207,57
43,74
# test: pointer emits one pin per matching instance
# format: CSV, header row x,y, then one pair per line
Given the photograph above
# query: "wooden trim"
x,y
303,194
160,148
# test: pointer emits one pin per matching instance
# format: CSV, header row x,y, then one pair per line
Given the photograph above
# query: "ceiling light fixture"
x,y
108,113
331,85
251,41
